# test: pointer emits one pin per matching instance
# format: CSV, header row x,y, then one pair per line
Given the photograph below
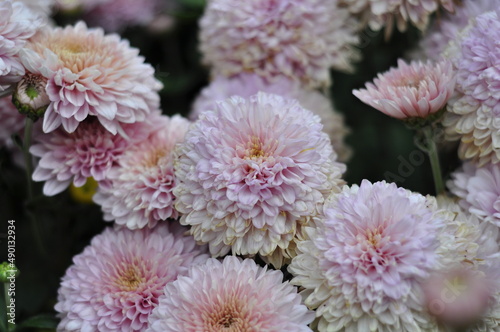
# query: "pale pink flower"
x,y
410,90
387,13
90,151
40,7
115,283
17,25
231,295
246,85
296,38
253,171
479,190
91,74
11,121
474,113
362,265
139,192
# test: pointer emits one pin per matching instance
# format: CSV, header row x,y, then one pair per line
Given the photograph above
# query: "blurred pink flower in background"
x,y
11,121
246,85
91,74
231,295
387,13
479,190
90,151
115,283
410,90
474,113
296,38
364,262
139,190
17,25
253,171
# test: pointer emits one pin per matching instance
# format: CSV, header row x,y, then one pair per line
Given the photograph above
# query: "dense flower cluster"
x,y
91,74
364,262
246,85
116,282
140,186
296,38
473,114
231,295
252,172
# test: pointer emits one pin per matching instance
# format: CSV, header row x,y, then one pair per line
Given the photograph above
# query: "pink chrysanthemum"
x,y
252,172
478,190
296,38
474,114
140,190
90,151
363,263
41,7
91,74
446,29
411,90
231,295
11,121
115,283
246,85
380,13
17,25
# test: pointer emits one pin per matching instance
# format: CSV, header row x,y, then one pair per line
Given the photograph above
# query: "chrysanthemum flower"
x,y
140,186
363,262
301,40
246,85
90,74
446,29
90,151
40,7
252,172
11,120
479,190
231,295
410,90
17,25
380,13
473,115
115,283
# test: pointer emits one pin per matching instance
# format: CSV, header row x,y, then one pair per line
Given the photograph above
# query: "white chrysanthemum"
x,y
296,38
473,116
231,295
252,172
246,85
363,264
17,25
91,74
139,188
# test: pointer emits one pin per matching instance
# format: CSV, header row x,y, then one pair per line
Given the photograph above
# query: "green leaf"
x,y
44,321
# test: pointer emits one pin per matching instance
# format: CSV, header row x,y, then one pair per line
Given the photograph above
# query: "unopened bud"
x,y
30,96
8,271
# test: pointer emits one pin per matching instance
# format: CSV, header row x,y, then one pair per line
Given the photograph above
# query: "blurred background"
x,y
383,149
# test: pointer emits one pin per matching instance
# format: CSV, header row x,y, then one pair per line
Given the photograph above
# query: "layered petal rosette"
x,y
246,85
473,115
231,295
363,264
139,192
296,38
116,282
91,74
253,171
414,90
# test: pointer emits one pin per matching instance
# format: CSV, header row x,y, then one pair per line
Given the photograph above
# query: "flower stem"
x,y
432,151
28,129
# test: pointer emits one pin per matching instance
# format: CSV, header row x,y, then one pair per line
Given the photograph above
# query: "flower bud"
x,y
7,272
30,96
